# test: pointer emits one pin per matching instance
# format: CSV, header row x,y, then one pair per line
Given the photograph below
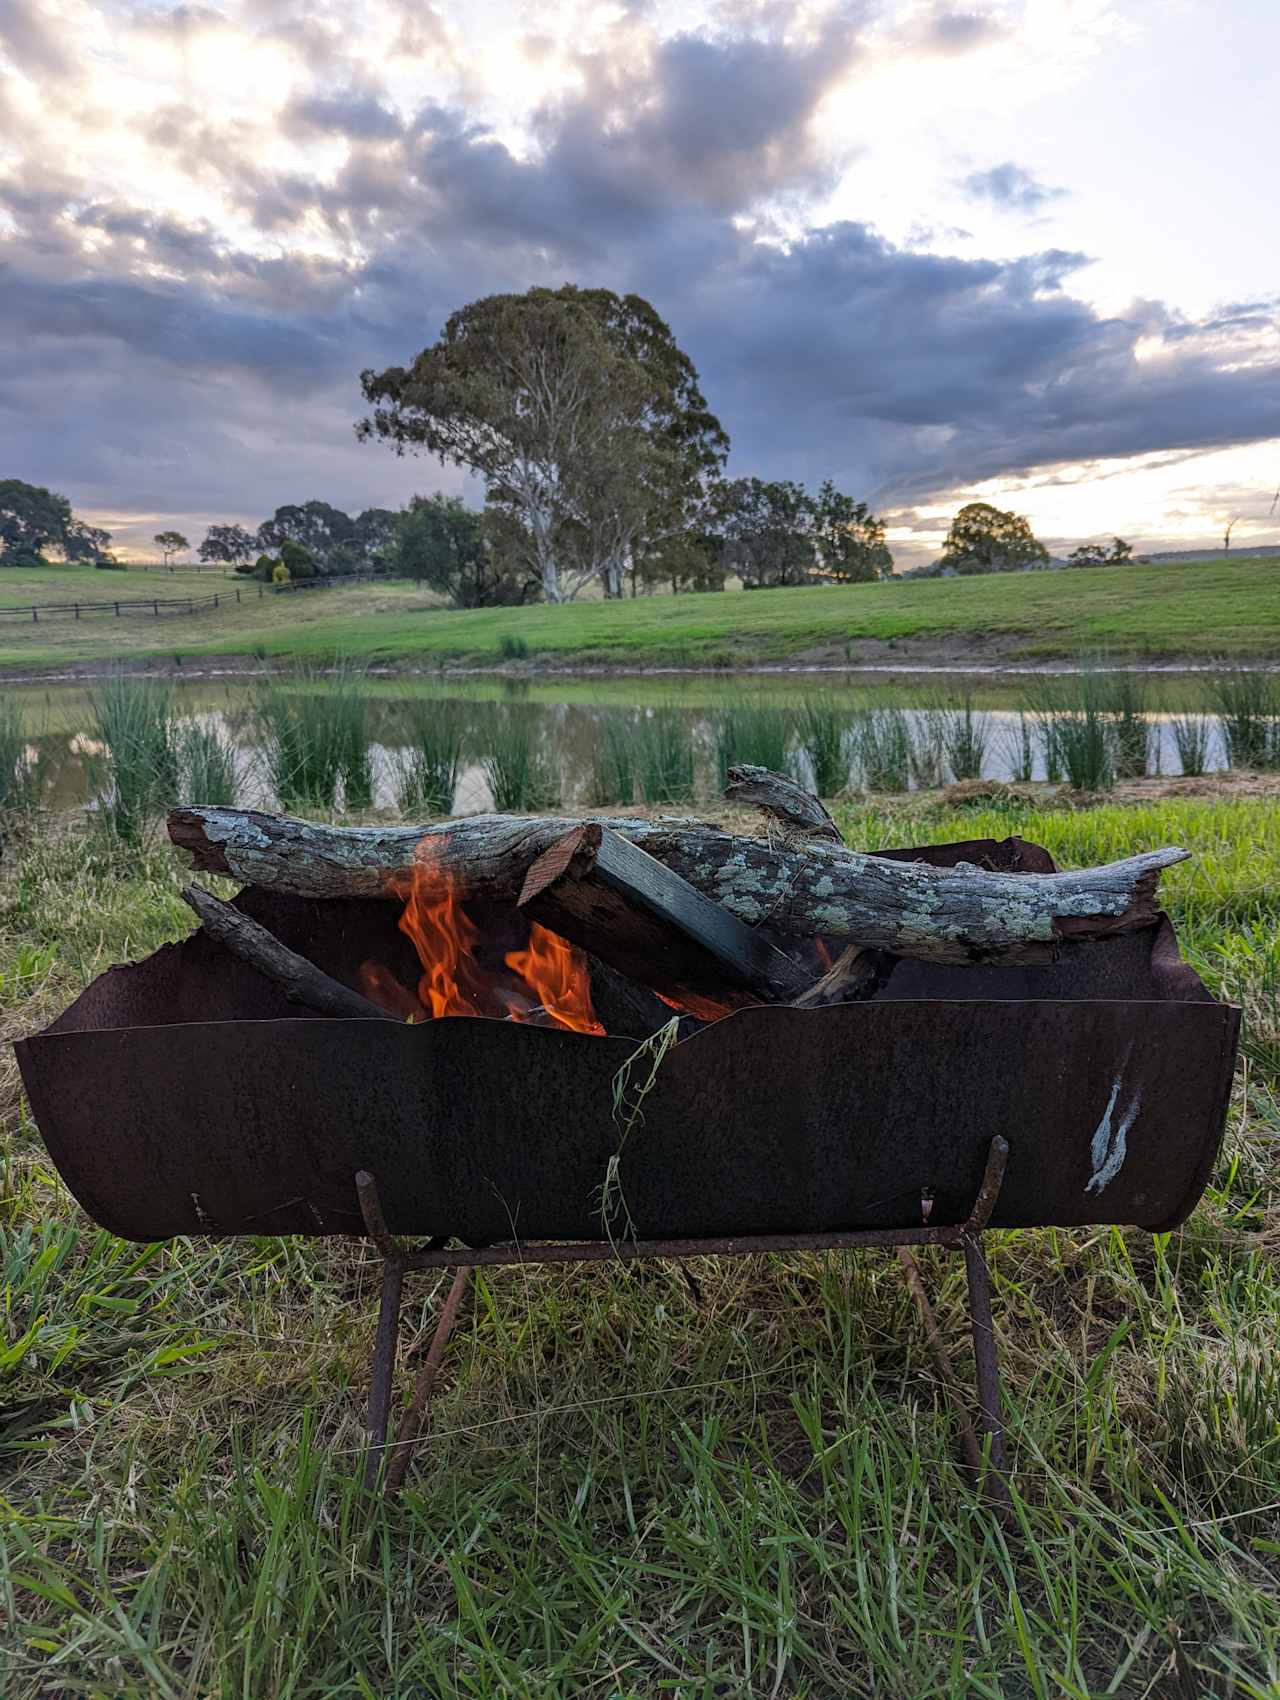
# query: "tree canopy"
x,y
579,411
34,521
228,543
776,533
170,543
1098,555
445,544
983,539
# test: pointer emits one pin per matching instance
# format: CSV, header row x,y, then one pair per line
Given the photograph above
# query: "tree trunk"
x,y
961,914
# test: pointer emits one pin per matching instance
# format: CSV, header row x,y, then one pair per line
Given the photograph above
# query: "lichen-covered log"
x,y
960,914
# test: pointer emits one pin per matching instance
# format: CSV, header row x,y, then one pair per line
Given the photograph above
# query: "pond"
x,y
622,739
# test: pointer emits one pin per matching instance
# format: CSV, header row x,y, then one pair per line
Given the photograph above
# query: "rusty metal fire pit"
x,y
184,1095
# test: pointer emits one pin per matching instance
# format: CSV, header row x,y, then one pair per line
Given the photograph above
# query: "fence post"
x,y
155,607
117,610
77,608
35,616
215,600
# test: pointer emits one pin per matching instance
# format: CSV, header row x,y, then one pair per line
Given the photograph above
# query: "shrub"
x,y
105,564
299,561
280,573
512,647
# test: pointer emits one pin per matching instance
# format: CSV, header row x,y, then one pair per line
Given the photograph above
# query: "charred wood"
x,y
300,981
647,922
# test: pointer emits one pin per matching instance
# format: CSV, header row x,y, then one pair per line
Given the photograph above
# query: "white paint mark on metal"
x,y
1107,1153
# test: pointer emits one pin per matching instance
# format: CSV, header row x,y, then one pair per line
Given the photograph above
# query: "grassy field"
x,y
621,1496
1196,609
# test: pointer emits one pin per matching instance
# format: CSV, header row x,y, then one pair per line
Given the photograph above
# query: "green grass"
x,y
621,1496
1200,609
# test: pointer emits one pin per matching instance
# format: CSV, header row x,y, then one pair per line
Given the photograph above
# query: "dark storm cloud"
x,y
150,364
1011,186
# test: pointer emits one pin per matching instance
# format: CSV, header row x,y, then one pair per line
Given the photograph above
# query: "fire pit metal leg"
x,y
995,1481
384,1363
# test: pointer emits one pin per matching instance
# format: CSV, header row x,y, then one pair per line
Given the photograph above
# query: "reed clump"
x,y
1247,702
755,734
136,773
312,726
885,750
207,763
825,735
428,764
1192,738
1073,727
664,755
966,737
613,761
20,777
519,773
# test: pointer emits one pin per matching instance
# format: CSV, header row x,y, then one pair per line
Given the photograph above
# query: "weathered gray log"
x,y
858,973
781,799
300,981
960,914
609,897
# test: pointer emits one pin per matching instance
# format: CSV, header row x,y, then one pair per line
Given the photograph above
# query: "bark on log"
x,y
609,897
301,981
961,914
779,798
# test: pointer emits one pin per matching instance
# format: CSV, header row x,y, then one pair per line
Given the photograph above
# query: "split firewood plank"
x,y
300,980
613,899
961,914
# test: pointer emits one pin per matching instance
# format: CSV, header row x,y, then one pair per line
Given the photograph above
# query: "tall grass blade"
x,y
1192,734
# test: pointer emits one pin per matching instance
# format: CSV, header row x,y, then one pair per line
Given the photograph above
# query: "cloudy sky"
x,y
1019,249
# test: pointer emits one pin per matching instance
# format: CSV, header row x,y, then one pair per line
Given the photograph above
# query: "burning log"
x,y
611,898
301,981
960,914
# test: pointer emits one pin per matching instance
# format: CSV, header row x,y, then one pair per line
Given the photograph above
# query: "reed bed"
x,y
966,738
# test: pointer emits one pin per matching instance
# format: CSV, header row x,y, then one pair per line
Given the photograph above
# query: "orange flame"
x,y
552,981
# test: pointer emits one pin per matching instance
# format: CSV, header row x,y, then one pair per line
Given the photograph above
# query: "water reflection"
x,y
568,731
